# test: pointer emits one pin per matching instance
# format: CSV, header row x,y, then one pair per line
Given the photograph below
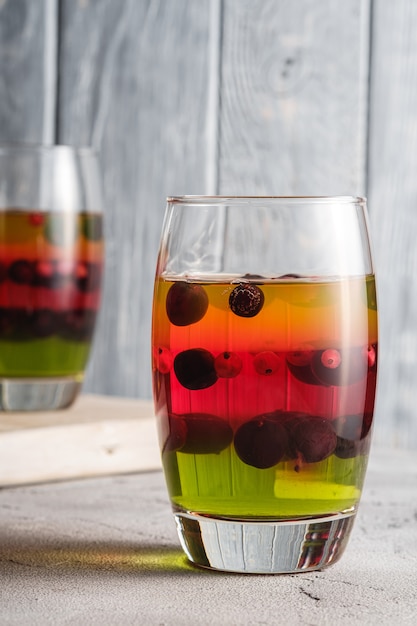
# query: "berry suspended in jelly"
x,y
186,303
36,218
177,434
78,324
246,300
314,438
266,363
299,364
261,442
227,364
195,369
22,272
346,448
205,434
338,368
3,272
88,276
44,323
162,359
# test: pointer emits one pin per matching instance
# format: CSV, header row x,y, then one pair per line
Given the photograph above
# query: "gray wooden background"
x,y
231,97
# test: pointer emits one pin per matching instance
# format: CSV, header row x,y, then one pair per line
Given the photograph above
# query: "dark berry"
x,y
177,434
206,434
3,272
92,227
299,364
88,276
266,363
256,277
314,438
162,359
44,323
348,427
22,272
346,448
261,442
16,324
7,322
246,300
227,365
186,303
78,324
195,368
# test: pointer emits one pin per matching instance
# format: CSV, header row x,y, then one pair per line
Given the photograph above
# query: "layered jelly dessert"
x,y
264,391
51,267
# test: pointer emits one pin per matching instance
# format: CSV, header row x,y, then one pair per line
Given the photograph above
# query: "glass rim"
x,y
39,148
201,199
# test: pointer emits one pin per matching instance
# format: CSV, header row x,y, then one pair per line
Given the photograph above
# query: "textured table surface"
x,y
105,551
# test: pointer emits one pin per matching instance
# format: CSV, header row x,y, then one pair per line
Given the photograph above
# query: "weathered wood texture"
x,y
28,44
294,80
393,201
226,96
133,82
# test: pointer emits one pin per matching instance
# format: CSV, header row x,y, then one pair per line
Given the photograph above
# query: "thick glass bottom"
x,y
264,546
38,394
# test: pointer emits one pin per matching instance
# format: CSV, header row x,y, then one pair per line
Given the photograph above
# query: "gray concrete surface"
x,y
105,551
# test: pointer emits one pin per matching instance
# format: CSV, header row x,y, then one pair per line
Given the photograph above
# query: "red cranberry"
x,y
227,365
327,366
299,364
186,303
163,359
36,218
195,369
370,355
261,442
206,434
246,300
266,363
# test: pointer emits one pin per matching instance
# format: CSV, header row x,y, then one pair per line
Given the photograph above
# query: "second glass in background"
x,y
51,266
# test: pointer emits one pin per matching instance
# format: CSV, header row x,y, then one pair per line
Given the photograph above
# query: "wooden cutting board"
x,y
98,435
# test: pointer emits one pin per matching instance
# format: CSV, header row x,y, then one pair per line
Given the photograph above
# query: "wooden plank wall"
x,y
226,96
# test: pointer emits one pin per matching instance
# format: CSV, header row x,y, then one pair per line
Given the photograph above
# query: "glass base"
x,y
264,547
38,394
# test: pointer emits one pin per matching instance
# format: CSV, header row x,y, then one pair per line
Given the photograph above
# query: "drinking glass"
x,y
51,259
264,352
